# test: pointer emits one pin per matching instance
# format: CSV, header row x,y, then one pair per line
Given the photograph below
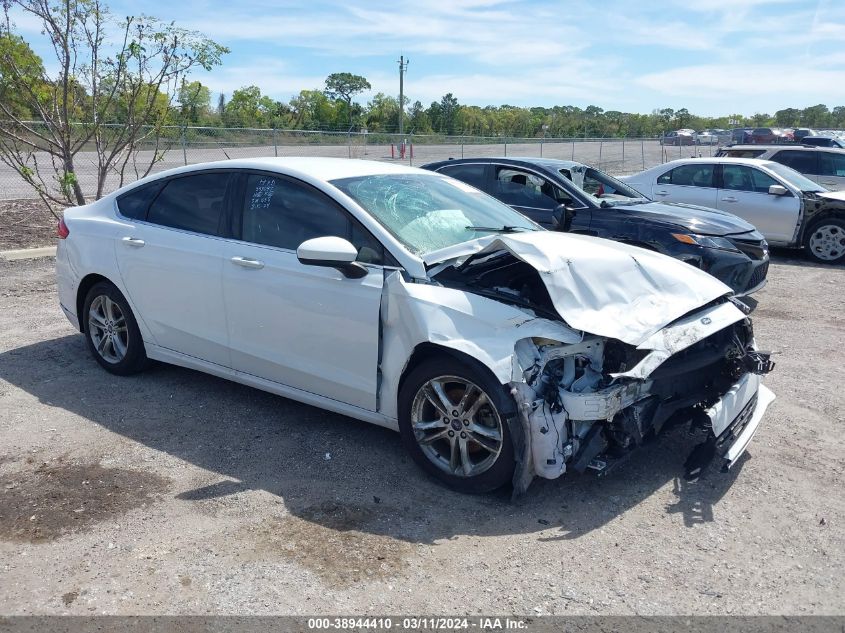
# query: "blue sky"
x,y
710,56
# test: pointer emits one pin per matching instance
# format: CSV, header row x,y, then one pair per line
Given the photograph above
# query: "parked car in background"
x,y
500,351
741,135
824,141
767,135
592,202
678,137
787,208
713,137
800,132
824,165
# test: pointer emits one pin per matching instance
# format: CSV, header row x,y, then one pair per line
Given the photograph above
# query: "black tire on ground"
x,y
824,241
135,358
500,472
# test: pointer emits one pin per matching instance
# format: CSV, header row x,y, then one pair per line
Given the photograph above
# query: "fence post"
x,y
642,151
573,150
601,144
506,148
184,145
275,144
541,148
623,153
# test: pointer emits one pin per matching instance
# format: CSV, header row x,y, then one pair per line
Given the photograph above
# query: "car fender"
x,y
485,329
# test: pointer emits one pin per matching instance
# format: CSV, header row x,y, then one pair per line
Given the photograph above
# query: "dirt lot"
x,y
175,492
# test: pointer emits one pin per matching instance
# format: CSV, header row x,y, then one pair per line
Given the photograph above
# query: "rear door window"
x,y
832,164
191,203
803,162
695,175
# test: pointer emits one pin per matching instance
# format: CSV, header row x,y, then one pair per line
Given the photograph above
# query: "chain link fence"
x,y
175,146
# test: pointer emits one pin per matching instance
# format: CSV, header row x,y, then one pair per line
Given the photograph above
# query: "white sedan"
x,y
788,208
404,298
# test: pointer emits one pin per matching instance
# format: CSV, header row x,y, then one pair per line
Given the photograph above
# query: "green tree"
x,y
194,101
344,86
788,117
20,69
134,75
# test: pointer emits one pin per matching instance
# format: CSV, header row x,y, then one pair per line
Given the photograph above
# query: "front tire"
x,y
825,241
111,331
453,417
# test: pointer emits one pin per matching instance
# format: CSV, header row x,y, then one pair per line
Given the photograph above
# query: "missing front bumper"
x,y
736,417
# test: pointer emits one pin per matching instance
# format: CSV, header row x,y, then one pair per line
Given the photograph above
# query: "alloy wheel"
x,y
107,329
456,426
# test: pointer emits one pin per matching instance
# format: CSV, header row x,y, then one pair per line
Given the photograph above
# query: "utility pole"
x,y
403,67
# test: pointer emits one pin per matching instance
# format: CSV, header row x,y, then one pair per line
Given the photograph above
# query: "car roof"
x,y
727,160
323,169
553,164
799,147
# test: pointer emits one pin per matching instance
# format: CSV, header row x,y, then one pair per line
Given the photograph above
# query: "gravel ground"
x,y
176,492
26,224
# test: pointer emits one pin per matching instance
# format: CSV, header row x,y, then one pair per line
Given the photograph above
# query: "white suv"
x,y
825,165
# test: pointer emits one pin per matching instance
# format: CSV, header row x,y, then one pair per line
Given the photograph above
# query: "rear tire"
x,y
111,331
825,241
453,417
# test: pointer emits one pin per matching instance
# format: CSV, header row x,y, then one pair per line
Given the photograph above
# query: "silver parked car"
x,y
787,208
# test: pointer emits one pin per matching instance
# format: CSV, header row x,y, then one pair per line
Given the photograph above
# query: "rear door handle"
x,y
729,199
661,193
133,241
246,262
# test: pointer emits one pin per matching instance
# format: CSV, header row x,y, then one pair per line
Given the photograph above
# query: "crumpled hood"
x,y
607,288
693,218
832,195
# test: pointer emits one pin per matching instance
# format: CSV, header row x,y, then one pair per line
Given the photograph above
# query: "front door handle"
x,y
133,241
729,199
661,193
246,262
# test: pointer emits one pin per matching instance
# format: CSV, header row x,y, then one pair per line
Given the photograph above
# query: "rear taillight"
x,y
62,230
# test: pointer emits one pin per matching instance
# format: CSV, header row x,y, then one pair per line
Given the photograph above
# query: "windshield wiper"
x,y
501,229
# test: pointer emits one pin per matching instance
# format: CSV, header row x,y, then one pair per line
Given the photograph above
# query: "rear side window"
x,y
803,162
470,174
832,164
697,175
192,203
134,205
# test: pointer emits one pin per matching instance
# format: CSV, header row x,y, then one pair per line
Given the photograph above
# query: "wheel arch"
x,y
427,350
811,221
88,282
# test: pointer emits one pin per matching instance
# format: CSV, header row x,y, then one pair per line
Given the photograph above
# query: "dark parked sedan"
x,y
570,196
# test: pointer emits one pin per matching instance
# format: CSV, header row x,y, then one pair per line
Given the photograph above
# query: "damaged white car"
x,y
500,351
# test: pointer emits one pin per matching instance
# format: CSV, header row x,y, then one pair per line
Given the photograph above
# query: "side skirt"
x,y
190,362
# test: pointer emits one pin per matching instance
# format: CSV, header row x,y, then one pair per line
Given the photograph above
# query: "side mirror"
x,y
562,216
334,252
778,190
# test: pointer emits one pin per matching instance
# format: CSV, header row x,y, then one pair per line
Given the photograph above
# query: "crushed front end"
x,y
590,404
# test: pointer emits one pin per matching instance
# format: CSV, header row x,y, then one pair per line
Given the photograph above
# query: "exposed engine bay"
x,y
589,403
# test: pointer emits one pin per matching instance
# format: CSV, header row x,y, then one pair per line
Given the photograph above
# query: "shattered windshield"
x,y
430,212
603,188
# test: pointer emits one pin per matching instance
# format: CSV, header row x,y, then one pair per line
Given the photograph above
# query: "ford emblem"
x,y
706,320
